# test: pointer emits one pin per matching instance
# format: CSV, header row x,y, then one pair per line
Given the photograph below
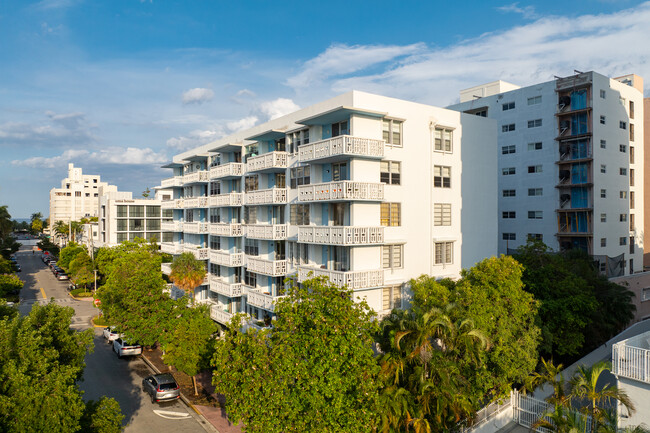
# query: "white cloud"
x,y
197,96
194,139
55,4
527,12
68,129
278,108
107,156
340,60
242,124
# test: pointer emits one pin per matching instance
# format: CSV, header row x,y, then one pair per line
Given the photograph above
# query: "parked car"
x,y
62,276
17,267
13,259
125,348
110,334
161,387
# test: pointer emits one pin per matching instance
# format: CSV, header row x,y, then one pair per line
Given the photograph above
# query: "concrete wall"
x,y
636,283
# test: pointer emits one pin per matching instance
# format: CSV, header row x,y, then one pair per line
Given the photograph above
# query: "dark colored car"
x,y
161,387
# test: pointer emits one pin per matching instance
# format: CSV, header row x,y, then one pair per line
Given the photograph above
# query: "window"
x,y
534,169
121,237
622,240
623,194
250,215
631,109
441,176
631,154
480,113
280,180
603,242
622,148
631,199
215,242
153,211
603,144
122,225
534,214
299,214
392,297
631,177
250,278
631,132
443,253
535,100
508,171
442,214
339,171
535,123
392,131
535,237
622,171
299,176
340,128
535,192
622,125
251,183
509,237
251,247
603,168
535,146
442,140
602,120
297,138
508,106
508,149
509,193
391,214
392,256
153,225
603,217
389,172
645,294
623,218
603,94
603,193
509,214
508,128
77,193
136,225
121,211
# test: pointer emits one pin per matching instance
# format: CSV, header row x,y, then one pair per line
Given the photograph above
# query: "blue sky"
x,y
118,87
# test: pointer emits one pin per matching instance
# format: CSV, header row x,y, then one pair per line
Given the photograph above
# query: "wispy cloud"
x,y
197,96
278,108
106,156
528,12
56,4
67,129
194,139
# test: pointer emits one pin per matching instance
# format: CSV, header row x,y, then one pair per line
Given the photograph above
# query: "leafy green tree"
x,y
81,269
68,254
105,257
6,225
61,230
10,284
314,371
189,341
36,223
6,311
5,266
187,273
47,245
103,416
146,193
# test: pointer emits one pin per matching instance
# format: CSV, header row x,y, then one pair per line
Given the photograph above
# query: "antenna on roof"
x,y
476,96
577,71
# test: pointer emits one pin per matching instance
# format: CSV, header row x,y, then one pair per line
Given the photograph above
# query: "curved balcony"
x,y
196,228
261,300
267,232
171,248
171,182
229,170
341,147
272,161
219,315
351,279
195,202
218,285
266,196
231,199
196,177
341,235
174,226
224,229
341,191
224,258
273,268
199,253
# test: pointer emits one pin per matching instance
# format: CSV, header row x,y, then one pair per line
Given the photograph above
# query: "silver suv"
x,y
161,387
124,348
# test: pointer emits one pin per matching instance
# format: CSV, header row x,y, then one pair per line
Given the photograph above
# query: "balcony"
x,y
166,268
261,300
171,181
341,190
267,162
273,268
631,358
343,146
223,171
197,228
266,196
224,258
231,199
195,202
167,204
171,248
223,229
196,177
219,315
218,285
199,253
266,232
352,279
341,235
174,226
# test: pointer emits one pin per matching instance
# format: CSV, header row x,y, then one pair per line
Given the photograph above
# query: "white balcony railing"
x,y
171,248
266,196
224,229
261,300
631,358
219,315
171,181
274,268
341,190
267,161
166,268
341,235
341,145
268,231
224,258
218,285
167,204
231,199
199,253
197,228
352,279
179,203
231,169
195,202
173,226
197,176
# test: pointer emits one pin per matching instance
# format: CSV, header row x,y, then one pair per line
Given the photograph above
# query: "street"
x,y
105,374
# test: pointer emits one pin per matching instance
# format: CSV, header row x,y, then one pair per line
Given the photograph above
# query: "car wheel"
x,y
153,399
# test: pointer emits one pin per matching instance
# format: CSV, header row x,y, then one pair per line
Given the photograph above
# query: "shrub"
x,y
81,293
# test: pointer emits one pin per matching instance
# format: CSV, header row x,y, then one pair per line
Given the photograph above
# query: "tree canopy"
x,y
187,273
68,254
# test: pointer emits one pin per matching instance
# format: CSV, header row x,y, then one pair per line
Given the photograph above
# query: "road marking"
x,y
43,293
171,415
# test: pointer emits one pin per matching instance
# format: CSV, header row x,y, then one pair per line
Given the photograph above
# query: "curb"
x,y
207,425
80,299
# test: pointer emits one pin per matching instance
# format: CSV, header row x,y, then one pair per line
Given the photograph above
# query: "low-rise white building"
x,y
366,190
631,366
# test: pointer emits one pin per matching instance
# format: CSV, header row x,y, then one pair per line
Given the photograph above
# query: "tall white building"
x,y
571,164
366,190
78,196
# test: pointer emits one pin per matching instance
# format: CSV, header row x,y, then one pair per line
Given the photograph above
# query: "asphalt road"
x,y
104,373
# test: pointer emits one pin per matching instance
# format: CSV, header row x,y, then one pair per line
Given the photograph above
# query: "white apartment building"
x,y
631,367
366,190
570,164
78,196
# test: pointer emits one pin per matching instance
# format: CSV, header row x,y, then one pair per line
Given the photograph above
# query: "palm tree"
x,y
187,273
76,228
61,229
550,374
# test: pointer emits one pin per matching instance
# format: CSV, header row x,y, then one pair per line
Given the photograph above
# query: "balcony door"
x,y
339,259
